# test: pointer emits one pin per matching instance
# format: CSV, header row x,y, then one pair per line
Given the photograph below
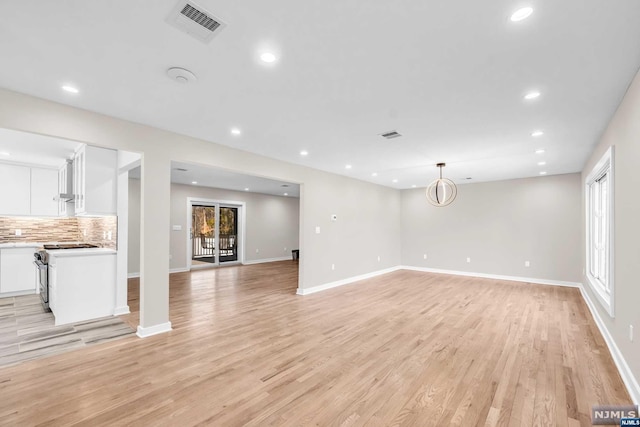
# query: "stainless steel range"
x,y
42,264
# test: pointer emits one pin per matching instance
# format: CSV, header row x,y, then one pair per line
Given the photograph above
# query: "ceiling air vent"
x,y
194,20
390,135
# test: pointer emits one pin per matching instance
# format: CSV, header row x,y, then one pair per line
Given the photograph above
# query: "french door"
x,y
214,234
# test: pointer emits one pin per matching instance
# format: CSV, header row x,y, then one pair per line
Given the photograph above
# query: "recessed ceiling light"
x,y
543,173
70,89
537,133
268,57
540,151
235,131
347,166
246,189
394,181
304,153
374,174
532,95
413,186
4,153
521,14
194,182
542,163
286,194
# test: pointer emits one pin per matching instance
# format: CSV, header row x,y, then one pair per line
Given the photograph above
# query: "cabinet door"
x,y
14,189
62,188
79,191
17,272
44,188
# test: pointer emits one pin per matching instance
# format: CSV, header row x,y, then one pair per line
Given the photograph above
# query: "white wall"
x,y
499,225
369,223
623,132
272,223
133,239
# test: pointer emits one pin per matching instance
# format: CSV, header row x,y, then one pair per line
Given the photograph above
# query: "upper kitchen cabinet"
x,y
44,192
95,181
15,191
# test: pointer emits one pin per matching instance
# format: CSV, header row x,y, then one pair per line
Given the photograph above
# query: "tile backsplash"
x,y
96,230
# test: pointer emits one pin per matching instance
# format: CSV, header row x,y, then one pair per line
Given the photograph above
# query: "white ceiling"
x,y
35,149
218,178
449,76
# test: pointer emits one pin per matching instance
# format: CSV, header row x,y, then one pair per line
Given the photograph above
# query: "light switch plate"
x,y
177,228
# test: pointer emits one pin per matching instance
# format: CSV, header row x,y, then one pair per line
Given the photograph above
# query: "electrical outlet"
x,y
104,235
84,232
109,235
285,249
333,266
631,333
18,232
317,230
257,251
378,258
468,259
424,256
527,264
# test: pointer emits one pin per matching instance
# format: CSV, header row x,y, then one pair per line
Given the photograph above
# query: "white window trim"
x,y
606,162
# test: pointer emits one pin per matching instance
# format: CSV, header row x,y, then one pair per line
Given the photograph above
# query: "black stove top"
x,y
70,246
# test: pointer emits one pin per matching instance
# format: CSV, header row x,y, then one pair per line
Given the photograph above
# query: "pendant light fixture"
x,y
442,191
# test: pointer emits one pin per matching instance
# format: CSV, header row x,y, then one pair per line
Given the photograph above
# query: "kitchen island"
x,y
82,284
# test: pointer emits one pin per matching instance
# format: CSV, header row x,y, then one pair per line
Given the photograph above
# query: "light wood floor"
x,y
406,348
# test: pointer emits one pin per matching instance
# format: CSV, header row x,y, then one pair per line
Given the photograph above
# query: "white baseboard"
x,y
261,261
118,311
307,291
173,270
153,330
625,372
494,276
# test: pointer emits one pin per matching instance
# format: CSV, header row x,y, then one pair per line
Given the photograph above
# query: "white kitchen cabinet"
x,y
17,271
82,284
95,181
15,189
62,189
44,192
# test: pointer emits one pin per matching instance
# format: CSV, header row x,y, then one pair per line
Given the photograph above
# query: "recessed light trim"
x,y
413,186
246,189
304,153
286,194
70,89
394,181
537,133
348,166
4,153
540,151
194,182
532,95
521,14
374,174
542,163
235,131
543,173
268,57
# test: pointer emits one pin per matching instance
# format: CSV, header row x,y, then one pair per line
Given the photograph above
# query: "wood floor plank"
x,y
405,349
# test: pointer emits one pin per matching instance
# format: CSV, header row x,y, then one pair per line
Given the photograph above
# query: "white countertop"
x,y
20,245
80,252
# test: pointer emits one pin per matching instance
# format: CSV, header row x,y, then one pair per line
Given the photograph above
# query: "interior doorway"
x,y
214,233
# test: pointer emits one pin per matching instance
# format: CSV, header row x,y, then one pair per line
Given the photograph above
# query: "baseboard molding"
x,y
623,368
307,291
494,276
262,261
153,330
119,311
173,270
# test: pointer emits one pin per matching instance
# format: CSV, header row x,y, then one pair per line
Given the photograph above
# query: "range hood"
x,y
68,195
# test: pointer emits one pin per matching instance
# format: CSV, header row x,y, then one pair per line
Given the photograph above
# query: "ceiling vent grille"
x,y
391,134
194,20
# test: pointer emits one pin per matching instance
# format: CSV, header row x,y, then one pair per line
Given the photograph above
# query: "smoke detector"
x,y
181,75
193,19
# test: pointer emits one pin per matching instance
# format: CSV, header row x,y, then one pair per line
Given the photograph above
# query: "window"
x,y
599,241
